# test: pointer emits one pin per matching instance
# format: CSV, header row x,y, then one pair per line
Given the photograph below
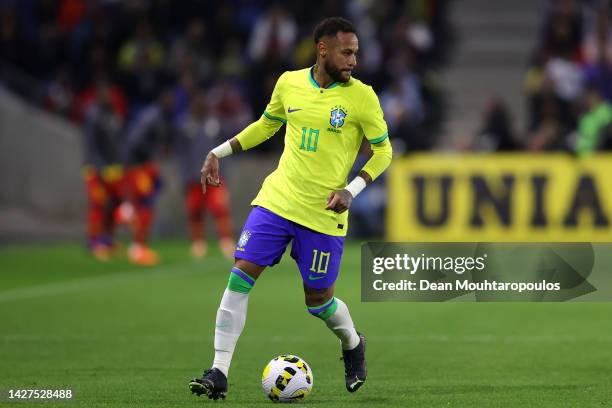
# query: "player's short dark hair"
x,y
331,26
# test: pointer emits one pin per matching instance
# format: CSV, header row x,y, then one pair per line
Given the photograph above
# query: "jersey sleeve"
x,y
372,119
275,111
382,153
269,123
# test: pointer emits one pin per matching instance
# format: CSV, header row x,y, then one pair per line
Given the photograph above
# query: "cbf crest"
x,y
338,115
244,238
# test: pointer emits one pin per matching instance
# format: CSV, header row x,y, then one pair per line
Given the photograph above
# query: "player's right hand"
x,y
209,175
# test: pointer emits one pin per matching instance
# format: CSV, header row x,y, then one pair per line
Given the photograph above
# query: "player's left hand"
x,y
339,201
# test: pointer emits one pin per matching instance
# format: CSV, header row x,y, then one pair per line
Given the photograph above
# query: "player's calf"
x,y
229,323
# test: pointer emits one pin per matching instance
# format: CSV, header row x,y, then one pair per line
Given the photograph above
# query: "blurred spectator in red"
x,y
227,103
200,131
70,14
562,34
117,99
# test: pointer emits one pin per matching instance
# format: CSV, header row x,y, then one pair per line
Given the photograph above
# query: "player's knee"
x,y
323,309
219,211
195,215
316,297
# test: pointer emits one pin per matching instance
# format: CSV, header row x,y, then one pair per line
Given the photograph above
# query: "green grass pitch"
x,y
125,336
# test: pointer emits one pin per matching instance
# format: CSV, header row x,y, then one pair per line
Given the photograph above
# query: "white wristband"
x,y
356,186
224,149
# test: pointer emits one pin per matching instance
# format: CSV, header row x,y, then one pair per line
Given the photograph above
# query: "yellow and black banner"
x,y
500,198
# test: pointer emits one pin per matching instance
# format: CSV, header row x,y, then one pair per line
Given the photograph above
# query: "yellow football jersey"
x,y
325,128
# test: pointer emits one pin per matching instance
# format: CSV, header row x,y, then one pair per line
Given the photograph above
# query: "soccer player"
x,y
103,173
151,134
305,200
198,134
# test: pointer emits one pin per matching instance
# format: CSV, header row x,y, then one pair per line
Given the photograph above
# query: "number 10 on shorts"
x,y
320,261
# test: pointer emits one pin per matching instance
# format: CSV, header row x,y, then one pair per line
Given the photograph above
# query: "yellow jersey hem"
x,y
286,216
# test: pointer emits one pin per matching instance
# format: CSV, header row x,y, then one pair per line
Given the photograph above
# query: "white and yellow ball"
x,y
287,378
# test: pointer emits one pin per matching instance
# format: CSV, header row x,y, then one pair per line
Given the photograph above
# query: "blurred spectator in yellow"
x,y
232,63
140,59
142,46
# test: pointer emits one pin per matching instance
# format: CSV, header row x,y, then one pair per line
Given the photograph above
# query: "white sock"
x,y
231,317
342,326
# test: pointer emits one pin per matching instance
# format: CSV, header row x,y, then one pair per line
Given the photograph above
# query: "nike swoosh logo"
x,y
293,110
354,384
311,277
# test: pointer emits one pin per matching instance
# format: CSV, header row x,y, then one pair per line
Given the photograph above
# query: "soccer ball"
x,y
287,378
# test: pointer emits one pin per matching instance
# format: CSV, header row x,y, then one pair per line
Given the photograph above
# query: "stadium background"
x,y
475,92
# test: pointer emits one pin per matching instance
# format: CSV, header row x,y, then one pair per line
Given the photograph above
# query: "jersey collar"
x,y
314,83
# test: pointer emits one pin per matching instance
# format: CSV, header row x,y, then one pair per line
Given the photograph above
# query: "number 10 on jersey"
x,y
313,138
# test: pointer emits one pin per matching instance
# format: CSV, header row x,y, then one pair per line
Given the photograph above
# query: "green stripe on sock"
x,y
325,314
323,305
329,311
237,284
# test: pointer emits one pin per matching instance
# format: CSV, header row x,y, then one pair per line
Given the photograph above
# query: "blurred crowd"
x,y
146,78
568,85
232,50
